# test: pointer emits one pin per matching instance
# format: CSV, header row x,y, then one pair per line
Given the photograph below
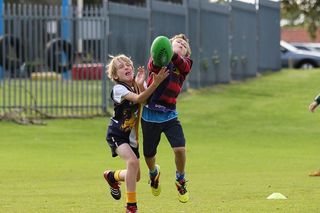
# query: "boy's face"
x,y
179,46
125,71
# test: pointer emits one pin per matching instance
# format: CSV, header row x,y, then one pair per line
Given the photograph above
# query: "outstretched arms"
x,y
143,96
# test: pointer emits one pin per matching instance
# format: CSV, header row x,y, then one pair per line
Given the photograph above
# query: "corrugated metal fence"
x,y
52,58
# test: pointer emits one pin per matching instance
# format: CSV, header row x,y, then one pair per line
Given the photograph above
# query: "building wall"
x,y
298,35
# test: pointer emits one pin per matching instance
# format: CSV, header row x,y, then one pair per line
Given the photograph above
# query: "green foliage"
x,y
306,9
244,141
290,11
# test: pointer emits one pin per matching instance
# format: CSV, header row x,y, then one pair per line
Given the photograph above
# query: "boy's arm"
x,y
143,96
153,68
314,104
184,64
142,87
139,79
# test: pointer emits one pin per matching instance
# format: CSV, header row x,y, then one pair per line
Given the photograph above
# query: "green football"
x,y
161,51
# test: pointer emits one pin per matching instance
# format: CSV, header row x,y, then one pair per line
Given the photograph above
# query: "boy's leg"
x,y
113,178
180,158
175,136
151,138
133,167
151,162
154,175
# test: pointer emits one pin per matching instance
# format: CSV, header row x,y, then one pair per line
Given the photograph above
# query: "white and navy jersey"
x,y
124,123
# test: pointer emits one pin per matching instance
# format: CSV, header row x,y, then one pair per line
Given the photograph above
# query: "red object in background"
x,y
87,72
298,35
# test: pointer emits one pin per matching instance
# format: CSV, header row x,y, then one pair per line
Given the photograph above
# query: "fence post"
x,y
105,53
150,26
199,43
79,16
65,34
186,6
1,34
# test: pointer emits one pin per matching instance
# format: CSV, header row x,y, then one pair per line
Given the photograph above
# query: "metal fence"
x,y
52,59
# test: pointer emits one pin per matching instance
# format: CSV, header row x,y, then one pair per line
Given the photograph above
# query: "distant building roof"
x,y
298,35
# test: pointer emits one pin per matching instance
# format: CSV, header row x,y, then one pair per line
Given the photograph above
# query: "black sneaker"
x,y
114,186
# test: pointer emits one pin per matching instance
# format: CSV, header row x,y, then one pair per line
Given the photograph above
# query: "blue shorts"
x,y
152,134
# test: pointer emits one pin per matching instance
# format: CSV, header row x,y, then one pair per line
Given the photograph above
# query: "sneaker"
x,y
131,209
183,194
154,183
114,186
315,173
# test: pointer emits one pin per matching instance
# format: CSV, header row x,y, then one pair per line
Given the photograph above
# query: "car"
x,y
307,46
292,57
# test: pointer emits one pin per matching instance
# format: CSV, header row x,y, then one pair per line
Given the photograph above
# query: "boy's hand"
x,y
177,51
313,106
162,74
140,77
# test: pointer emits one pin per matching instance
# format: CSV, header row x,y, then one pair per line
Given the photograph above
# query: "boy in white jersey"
x,y
122,134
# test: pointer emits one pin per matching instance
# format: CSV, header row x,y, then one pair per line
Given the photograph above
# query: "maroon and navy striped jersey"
x,y
164,97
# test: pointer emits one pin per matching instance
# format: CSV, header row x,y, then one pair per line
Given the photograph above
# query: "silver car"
x,y
292,57
307,46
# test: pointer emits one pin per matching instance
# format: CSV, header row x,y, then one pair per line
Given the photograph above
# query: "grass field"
x,y
244,141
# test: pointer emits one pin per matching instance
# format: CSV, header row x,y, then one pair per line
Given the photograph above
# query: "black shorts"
x,y
115,141
152,134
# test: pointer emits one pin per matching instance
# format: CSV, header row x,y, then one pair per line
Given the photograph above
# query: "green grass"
x,y
244,141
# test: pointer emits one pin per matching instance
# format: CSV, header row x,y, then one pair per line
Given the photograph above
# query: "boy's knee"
x,y
179,150
149,154
133,163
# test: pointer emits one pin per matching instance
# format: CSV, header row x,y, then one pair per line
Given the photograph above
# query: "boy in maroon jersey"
x,y
160,116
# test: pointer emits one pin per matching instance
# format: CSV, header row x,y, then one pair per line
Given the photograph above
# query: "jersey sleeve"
x,y
118,92
184,64
152,67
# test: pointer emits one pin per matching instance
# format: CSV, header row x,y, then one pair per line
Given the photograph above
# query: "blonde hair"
x,y
112,67
184,37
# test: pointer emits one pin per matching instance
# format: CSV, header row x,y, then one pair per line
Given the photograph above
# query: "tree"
x,y
309,10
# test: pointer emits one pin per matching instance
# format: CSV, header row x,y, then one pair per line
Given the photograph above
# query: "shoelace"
x,y
154,182
182,187
115,185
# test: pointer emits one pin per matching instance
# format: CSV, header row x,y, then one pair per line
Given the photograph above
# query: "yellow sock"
x,y
131,197
117,175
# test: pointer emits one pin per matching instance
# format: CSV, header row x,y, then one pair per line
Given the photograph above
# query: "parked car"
x,y
307,46
292,57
